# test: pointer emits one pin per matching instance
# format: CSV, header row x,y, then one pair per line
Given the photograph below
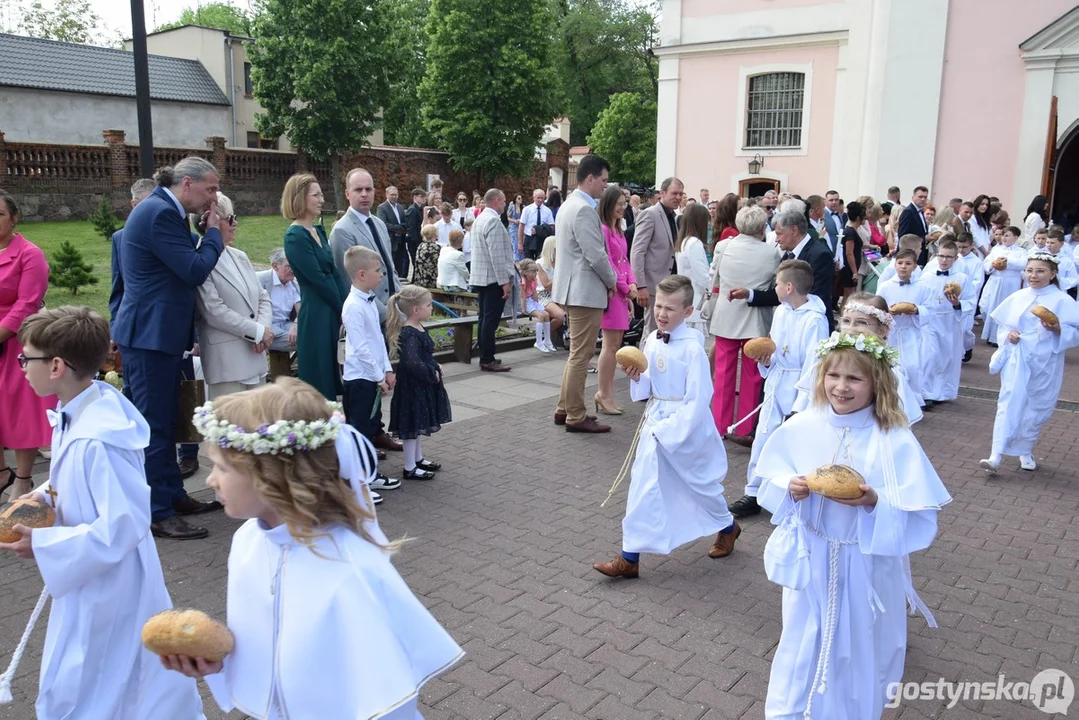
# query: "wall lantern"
x,y
756,164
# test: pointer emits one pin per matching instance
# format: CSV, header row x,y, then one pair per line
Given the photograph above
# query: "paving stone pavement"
x,y
501,546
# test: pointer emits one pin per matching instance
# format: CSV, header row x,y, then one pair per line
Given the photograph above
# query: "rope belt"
x,y
627,464
768,397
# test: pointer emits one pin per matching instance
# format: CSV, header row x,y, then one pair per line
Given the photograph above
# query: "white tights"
x,y
413,453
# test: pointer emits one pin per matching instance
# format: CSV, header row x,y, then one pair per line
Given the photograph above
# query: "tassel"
x,y
9,674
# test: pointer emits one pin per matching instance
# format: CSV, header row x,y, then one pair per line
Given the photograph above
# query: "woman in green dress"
x,y
322,292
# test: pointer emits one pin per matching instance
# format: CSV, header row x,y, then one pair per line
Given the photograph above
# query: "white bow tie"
x,y
58,418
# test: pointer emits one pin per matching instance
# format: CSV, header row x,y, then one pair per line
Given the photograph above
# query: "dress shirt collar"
x,y
363,218
801,246
588,198
179,207
276,281
361,294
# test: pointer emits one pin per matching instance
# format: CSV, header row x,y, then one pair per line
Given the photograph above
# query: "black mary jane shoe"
x,y
429,466
418,473
10,479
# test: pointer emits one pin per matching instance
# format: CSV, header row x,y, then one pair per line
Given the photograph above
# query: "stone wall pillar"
x,y
219,159
121,180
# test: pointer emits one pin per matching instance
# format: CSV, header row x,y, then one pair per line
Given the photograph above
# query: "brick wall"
x,y
60,182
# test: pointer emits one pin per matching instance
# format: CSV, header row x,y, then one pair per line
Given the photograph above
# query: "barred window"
x,y
774,110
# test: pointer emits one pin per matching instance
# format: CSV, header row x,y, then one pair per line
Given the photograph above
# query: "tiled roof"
x,y
69,67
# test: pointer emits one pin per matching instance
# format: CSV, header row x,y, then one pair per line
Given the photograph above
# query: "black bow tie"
x,y
904,282
370,298
665,337
942,272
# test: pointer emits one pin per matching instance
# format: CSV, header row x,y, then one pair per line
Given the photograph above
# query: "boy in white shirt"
x,y
970,265
907,242
906,332
368,374
452,272
98,561
1067,274
943,325
800,323
466,244
445,224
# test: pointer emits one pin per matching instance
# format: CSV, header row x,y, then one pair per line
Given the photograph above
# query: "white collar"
x,y
362,294
363,218
276,281
801,246
588,198
78,401
858,419
179,205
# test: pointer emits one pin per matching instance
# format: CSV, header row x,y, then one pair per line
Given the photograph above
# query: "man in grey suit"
x,y
583,283
359,227
391,213
652,253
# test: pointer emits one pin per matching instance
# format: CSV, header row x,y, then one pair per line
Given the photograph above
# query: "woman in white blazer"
x,y
235,317
691,260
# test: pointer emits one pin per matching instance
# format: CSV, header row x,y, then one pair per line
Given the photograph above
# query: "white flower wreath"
x,y
869,344
282,437
882,317
1044,256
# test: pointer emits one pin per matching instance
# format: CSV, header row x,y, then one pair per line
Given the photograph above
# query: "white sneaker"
x,y
550,347
991,464
540,346
381,482
1026,462
375,497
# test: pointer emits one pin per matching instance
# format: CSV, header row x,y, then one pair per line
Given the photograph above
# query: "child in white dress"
x,y
950,303
844,564
324,626
1005,264
906,332
1030,361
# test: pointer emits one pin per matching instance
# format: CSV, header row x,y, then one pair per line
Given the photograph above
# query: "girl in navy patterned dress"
x,y
420,404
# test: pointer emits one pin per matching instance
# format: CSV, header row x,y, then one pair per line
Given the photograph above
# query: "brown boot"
x,y
619,567
724,544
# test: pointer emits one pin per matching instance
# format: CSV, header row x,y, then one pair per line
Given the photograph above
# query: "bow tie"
x,y
370,298
666,337
58,418
942,272
904,282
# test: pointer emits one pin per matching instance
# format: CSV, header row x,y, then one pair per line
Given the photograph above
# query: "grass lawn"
x,y
256,235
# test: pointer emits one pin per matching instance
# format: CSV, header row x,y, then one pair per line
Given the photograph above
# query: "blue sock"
x,y
728,530
631,557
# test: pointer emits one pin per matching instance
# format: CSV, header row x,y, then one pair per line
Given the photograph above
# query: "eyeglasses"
x,y
860,323
24,361
946,257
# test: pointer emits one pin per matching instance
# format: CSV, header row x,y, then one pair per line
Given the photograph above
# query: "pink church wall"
x,y
707,8
982,97
707,119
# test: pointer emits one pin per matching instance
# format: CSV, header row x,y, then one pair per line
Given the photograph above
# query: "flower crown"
x,y
882,317
282,437
868,344
1044,257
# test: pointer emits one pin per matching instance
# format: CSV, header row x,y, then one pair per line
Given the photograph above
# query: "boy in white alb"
x,y
368,373
676,486
906,332
970,265
799,325
98,561
1067,275
942,327
907,242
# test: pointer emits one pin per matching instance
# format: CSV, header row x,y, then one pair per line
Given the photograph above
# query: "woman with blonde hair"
x,y
545,285
322,290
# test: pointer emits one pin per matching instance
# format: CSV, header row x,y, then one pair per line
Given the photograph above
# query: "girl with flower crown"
x,y
844,564
1030,360
324,626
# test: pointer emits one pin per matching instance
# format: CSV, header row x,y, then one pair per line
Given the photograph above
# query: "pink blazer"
x,y
617,254
24,278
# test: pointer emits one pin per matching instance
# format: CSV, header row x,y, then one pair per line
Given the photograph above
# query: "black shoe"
x,y
10,480
188,467
744,507
991,344
428,465
418,474
968,355
188,505
176,528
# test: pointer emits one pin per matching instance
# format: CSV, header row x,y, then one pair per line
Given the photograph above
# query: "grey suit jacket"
x,y
348,232
582,269
652,253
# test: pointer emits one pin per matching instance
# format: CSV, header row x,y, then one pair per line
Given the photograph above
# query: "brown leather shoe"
x,y
560,418
381,454
188,467
188,505
619,567
724,544
494,366
745,441
383,441
588,425
176,528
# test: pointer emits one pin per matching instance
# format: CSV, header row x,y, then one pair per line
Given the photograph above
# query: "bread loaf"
x,y
759,347
1001,263
187,632
953,288
904,308
631,357
31,513
836,481
1046,315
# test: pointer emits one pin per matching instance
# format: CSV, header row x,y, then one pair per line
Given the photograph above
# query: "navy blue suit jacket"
x,y
820,258
117,292
161,271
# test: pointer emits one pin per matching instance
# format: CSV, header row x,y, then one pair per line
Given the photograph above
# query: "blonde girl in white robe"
x,y
844,564
324,625
1003,282
1030,361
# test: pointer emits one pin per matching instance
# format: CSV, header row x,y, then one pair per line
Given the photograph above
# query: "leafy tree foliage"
x,y
104,219
407,59
71,21
625,135
222,15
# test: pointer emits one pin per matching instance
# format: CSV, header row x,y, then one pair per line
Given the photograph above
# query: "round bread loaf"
x,y
759,347
836,481
182,631
31,513
631,357
953,288
904,308
1001,263
1045,315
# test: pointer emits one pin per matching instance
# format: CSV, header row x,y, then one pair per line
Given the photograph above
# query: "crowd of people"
x,y
835,325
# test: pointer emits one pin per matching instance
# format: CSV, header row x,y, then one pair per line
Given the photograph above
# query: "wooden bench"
x,y
463,330
459,302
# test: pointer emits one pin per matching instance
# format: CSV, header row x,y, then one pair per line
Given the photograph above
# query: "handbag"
x,y
192,396
707,306
786,554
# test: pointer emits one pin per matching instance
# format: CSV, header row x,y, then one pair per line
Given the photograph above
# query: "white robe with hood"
x,y
1000,284
906,332
100,566
942,334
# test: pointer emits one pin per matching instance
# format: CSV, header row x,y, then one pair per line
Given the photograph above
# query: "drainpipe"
x,y
232,86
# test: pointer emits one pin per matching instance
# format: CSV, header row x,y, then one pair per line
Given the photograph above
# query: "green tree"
x,y
69,271
319,71
490,89
104,219
71,21
222,15
625,135
407,59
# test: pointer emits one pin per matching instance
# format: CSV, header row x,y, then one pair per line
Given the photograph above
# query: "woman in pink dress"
x,y
24,278
612,206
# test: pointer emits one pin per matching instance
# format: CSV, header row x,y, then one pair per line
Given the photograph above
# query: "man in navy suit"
x,y
912,220
154,324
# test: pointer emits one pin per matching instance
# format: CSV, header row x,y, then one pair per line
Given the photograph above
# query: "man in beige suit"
x,y
583,283
652,253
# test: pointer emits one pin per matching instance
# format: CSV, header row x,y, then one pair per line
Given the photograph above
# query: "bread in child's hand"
x,y
1001,263
31,513
836,481
1044,314
631,357
904,308
953,288
187,632
759,347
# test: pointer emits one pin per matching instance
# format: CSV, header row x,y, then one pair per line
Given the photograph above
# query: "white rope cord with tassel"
x,y
628,462
9,674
